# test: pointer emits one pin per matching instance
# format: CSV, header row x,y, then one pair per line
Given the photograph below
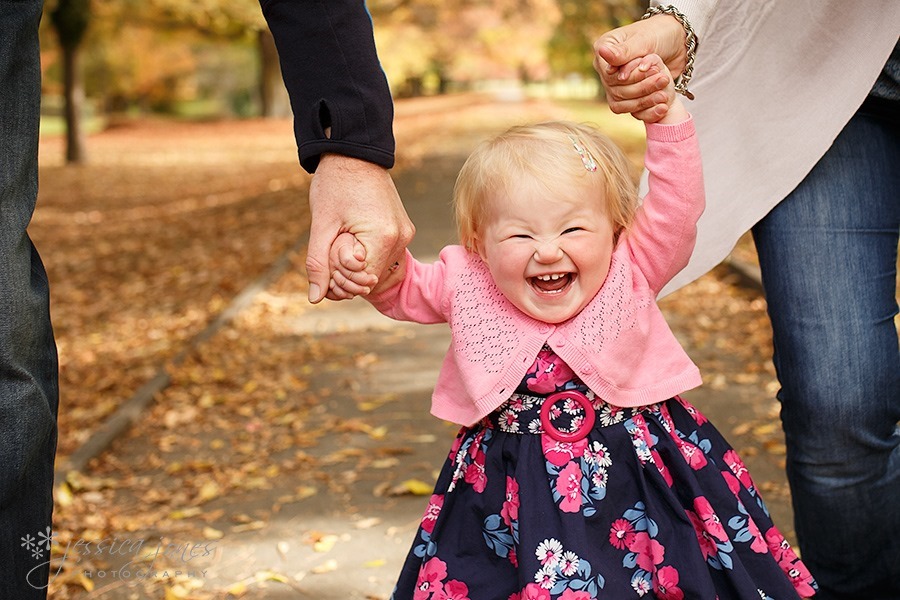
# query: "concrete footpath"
x,y
340,524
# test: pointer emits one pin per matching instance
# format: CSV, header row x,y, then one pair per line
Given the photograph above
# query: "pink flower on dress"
x,y
560,453
698,417
453,590
510,510
790,563
457,443
532,591
432,512
621,534
431,577
513,557
733,484
662,468
711,522
758,544
704,539
475,474
693,455
666,584
551,373
737,466
568,485
779,546
570,594
649,552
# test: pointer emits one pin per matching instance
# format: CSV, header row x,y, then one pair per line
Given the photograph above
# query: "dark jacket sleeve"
x,y
334,79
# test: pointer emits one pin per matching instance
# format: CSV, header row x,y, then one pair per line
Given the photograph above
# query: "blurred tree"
x,y
571,47
431,43
233,20
70,19
202,57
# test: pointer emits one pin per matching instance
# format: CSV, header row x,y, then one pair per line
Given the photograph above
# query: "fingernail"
x,y
315,293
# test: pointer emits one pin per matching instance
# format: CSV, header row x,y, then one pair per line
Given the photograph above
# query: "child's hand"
x,y
647,79
350,278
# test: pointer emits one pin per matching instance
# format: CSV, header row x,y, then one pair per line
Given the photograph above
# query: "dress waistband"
x,y
566,416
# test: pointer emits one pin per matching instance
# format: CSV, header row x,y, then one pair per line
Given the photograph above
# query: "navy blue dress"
x,y
559,495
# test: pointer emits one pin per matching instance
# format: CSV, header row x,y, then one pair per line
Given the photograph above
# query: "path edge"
x,y
131,409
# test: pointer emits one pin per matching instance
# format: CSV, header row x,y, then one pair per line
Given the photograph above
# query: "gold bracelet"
x,y
690,43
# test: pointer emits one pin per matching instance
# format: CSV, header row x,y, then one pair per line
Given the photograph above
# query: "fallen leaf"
x,y
325,543
271,576
415,487
252,526
85,582
375,563
326,567
208,491
282,548
367,523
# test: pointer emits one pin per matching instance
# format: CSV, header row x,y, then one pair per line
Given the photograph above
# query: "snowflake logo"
x,y
37,545
45,538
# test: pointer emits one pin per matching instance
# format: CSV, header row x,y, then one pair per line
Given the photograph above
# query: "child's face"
x,y
549,255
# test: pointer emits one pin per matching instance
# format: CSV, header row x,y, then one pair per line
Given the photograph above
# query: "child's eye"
x,y
521,236
572,230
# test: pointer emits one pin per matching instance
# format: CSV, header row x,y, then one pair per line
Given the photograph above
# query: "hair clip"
x,y
586,159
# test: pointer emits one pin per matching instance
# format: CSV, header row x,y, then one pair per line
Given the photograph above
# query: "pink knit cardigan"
x,y
619,345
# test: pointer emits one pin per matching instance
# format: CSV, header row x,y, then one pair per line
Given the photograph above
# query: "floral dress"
x,y
559,495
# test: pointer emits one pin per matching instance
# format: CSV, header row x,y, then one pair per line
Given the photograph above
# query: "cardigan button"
x,y
544,328
587,370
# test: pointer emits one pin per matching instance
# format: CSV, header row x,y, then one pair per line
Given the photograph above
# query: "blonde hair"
x,y
546,154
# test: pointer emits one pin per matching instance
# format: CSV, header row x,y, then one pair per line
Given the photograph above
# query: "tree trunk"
x,y
73,89
273,96
71,19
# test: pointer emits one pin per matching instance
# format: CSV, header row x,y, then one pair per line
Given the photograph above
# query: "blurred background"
x,y
108,60
219,436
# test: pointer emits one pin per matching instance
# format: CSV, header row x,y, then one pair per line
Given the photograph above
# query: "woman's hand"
x,y
616,55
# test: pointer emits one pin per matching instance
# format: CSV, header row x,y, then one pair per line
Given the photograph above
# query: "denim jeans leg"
x,y
828,254
28,364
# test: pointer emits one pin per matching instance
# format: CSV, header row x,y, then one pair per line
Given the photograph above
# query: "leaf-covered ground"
x,y
270,425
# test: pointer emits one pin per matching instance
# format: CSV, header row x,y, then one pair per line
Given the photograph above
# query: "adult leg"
x,y
828,254
28,366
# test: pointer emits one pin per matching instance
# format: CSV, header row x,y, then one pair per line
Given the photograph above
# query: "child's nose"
x,y
548,252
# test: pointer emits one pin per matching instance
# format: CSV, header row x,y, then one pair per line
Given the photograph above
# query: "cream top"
x,y
775,82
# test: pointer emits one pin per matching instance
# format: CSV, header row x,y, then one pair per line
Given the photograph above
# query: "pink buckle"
x,y
586,425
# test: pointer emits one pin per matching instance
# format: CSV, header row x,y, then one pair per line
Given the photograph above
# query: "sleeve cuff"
x,y
675,132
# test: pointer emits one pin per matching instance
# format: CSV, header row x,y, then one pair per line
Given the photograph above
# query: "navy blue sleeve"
x,y
332,74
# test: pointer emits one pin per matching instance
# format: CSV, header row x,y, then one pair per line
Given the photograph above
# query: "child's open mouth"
x,y
552,283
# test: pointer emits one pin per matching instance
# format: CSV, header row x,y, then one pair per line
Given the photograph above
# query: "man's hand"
x,y
628,91
358,197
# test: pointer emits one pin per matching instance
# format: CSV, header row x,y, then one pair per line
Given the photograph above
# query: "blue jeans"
x,y
828,254
28,365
